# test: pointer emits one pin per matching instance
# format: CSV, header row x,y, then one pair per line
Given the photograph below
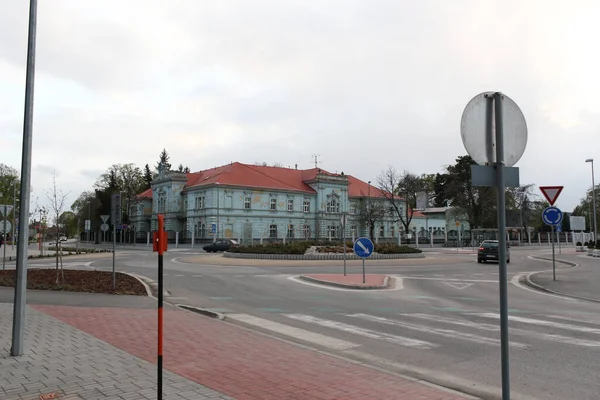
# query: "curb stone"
x,y
202,311
386,283
527,280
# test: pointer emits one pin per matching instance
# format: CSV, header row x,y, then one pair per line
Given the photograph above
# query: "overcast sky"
x,y
363,84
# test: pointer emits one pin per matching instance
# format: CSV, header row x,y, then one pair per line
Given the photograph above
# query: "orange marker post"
x,y
159,245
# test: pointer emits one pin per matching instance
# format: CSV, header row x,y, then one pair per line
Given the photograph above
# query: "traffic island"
x,y
351,281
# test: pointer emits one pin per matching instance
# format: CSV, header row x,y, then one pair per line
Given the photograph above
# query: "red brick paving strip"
x,y
238,362
350,279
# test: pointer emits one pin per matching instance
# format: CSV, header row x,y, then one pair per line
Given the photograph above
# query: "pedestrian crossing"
x,y
430,331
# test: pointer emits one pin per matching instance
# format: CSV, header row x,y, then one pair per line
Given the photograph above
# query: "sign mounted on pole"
x,y
363,247
104,218
494,133
552,216
115,209
551,193
5,209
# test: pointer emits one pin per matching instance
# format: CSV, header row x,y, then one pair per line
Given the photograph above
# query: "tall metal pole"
x,y
14,213
21,283
218,219
594,202
5,215
497,102
89,235
553,257
344,239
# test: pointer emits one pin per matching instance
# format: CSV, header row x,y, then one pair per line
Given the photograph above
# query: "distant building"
x,y
250,203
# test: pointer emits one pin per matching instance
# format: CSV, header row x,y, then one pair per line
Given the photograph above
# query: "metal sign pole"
x,y
4,214
553,259
114,282
344,239
497,102
363,267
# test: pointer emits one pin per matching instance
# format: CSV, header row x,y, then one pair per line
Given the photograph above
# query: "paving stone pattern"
x,y
60,358
239,362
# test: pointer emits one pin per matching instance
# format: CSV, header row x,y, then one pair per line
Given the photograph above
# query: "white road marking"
x,y
458,285
588,320
197,276
513,331
356,330
515,281
296,278
445,279
179,275
541,322
441,332
307,336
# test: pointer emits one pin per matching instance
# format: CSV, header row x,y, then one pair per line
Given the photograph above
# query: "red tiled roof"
x,y
147,194
277,178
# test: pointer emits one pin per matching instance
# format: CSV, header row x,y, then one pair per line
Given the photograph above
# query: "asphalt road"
x,y
441,322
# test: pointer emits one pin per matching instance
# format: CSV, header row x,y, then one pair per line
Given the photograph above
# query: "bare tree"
x,y
371,211
57,204
393,186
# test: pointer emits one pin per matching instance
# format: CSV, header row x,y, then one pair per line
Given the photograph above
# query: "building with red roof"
x,y
253,203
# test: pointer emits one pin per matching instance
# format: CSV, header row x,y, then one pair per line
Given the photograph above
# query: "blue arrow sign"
x,y
213,228
558,228
552,216
363,247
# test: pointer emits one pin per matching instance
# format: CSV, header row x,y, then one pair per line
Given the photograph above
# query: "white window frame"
x,y
247,202
306,231
352,207
199,202
382,230
273,231
290,231
290,205
306,206
273,204
333,205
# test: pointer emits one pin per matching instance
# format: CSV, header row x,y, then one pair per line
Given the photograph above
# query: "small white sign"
x,y
104,227
5,228
88,224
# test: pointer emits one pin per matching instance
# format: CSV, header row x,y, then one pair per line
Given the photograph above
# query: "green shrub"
x,y
389,248
578,244
590,245
273,248
334,249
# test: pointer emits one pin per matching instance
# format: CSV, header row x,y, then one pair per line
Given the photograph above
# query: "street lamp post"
x,y
218,219
591,160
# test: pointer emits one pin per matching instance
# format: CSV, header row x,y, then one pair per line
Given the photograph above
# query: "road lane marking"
x,y
568,318
445,279
541,322
441,332
356,330
513,331
515,282
287,330
197,276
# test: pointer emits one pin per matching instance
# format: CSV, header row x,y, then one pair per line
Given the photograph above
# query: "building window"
x,y
199,202
381,231
273,204
333,205
333,231
392,231
185,204
306,231
306,206
201,230
352,207
247,203
290,231
353,230
290,205
228,201
273,231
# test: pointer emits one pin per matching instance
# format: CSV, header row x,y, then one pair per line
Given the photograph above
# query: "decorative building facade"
x,y
253,203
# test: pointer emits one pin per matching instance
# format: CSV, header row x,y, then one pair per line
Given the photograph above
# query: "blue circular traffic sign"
x,y
552,216
363,247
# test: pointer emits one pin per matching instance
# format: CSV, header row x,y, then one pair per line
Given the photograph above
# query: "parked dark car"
x,y
488,250
220,245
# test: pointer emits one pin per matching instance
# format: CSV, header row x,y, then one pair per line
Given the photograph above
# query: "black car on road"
x,y
488,250
220,245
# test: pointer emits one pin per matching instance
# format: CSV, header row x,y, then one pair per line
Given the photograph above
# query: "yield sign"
x,y
551,193
5,209
458,285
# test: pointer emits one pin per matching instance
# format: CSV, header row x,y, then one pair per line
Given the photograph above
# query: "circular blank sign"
x,y
472,130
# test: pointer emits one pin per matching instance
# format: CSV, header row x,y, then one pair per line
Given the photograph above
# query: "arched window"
x,y
333,203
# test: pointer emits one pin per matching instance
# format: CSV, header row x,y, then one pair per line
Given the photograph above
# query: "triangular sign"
x,y
5,209
551,193
104,218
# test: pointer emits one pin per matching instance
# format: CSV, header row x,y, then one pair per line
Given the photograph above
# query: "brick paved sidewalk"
x,y
241,363
60,358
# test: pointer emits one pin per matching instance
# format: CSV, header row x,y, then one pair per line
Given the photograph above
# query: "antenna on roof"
x,y
316,157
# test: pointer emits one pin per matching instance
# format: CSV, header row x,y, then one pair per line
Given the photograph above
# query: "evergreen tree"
x,y
148,177
163,159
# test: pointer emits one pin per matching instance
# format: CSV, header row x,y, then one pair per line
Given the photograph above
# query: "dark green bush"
x,y
273,248
590,245
389,248
578,244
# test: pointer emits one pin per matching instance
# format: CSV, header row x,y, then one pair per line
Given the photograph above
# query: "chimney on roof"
x,y
296,166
